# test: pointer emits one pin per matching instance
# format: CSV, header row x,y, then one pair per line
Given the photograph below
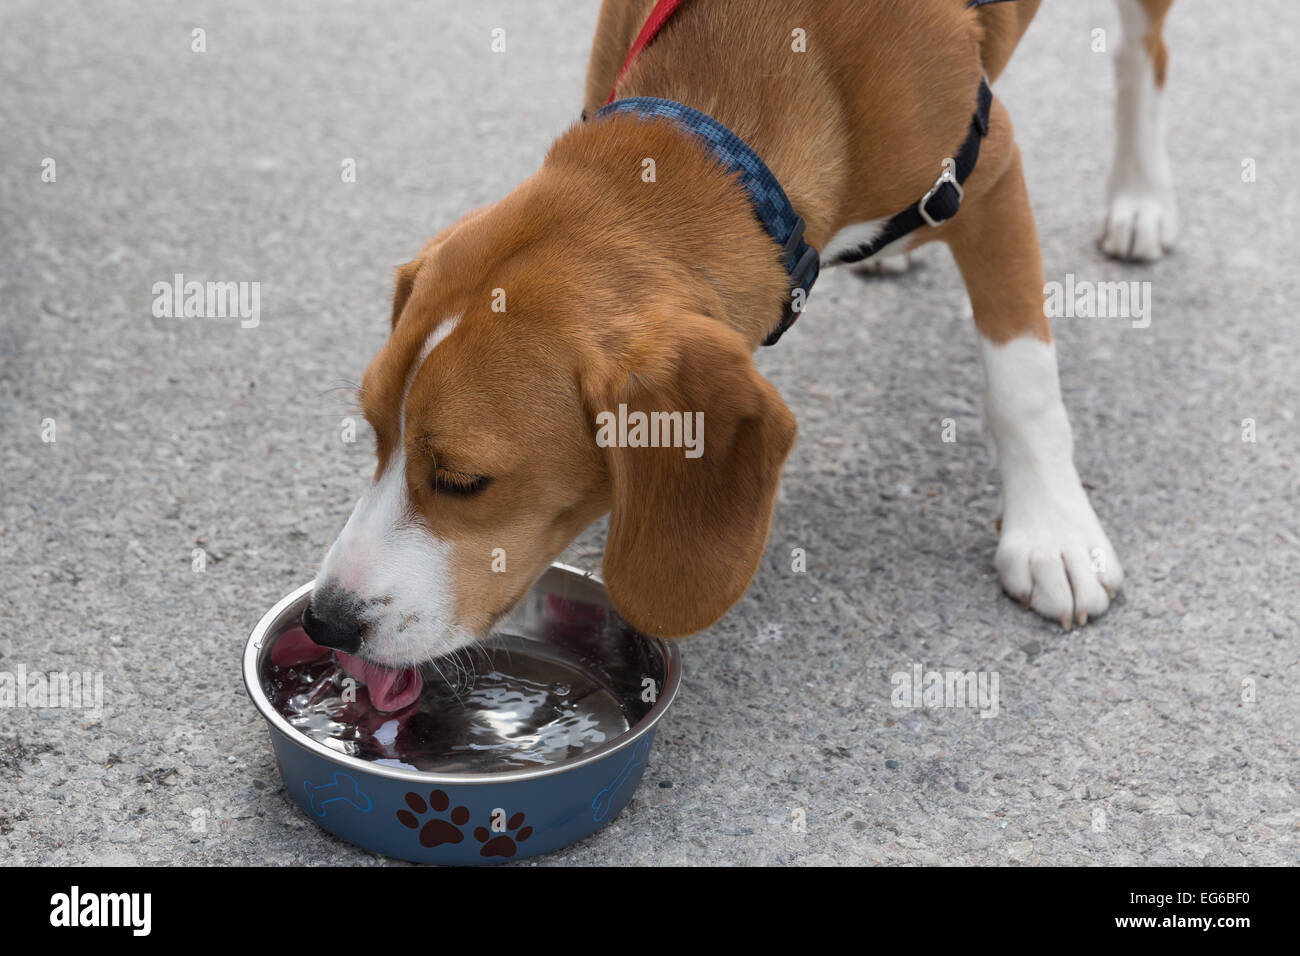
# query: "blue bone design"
x,y
343,787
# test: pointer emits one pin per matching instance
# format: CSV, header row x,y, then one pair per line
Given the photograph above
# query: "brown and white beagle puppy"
x,y
593,289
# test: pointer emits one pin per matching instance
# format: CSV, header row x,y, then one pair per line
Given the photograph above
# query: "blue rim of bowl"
x,y
253,685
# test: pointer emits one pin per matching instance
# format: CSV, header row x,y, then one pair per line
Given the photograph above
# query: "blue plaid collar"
x,y
771,205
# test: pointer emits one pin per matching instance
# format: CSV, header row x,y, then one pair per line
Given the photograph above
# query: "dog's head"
x,y
496,408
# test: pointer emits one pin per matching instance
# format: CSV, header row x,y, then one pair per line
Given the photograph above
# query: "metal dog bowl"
x,y
537,741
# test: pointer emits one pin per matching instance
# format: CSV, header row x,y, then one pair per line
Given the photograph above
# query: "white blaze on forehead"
x,y
393,564
435,339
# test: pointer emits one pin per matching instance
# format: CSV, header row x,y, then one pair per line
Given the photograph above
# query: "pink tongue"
x,y
389,689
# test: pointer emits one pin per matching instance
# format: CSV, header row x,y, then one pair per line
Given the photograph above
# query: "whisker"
x,y
354,398
460,669
344,385
441,676
483,652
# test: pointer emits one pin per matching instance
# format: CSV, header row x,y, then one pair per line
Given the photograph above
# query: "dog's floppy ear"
x,y
402,290
688,524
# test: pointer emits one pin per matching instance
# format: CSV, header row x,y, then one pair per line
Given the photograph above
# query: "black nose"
x,y
333,622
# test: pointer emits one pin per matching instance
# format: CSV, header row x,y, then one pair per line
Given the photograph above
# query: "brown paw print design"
x,y
436,831
503,844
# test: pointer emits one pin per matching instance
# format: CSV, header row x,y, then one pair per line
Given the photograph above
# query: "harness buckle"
x,y
947,178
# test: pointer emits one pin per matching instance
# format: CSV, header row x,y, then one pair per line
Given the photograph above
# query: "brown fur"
x,y
654,294
1154,42
686,536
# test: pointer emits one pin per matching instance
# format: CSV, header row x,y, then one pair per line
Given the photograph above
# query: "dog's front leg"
x,y
1142,221
1053,554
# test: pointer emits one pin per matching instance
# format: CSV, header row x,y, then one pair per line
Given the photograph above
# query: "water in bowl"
x,y
522,705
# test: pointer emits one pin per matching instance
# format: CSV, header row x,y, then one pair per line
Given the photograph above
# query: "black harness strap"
x,y
944,198
773,208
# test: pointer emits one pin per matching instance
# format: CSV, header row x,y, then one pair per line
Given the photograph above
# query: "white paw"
x,y
1053,554
1141,225
884,265
1055,558
1141,220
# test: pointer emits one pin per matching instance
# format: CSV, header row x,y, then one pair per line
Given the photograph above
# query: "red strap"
x,y
658,17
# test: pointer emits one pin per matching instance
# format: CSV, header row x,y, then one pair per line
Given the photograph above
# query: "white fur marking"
x,y
851,237
892,259
389,560
1053,550
434,339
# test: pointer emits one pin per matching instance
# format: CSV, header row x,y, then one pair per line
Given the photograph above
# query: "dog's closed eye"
x,y
457,484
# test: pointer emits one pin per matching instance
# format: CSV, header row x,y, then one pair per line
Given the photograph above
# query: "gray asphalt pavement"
x,y
1164,733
